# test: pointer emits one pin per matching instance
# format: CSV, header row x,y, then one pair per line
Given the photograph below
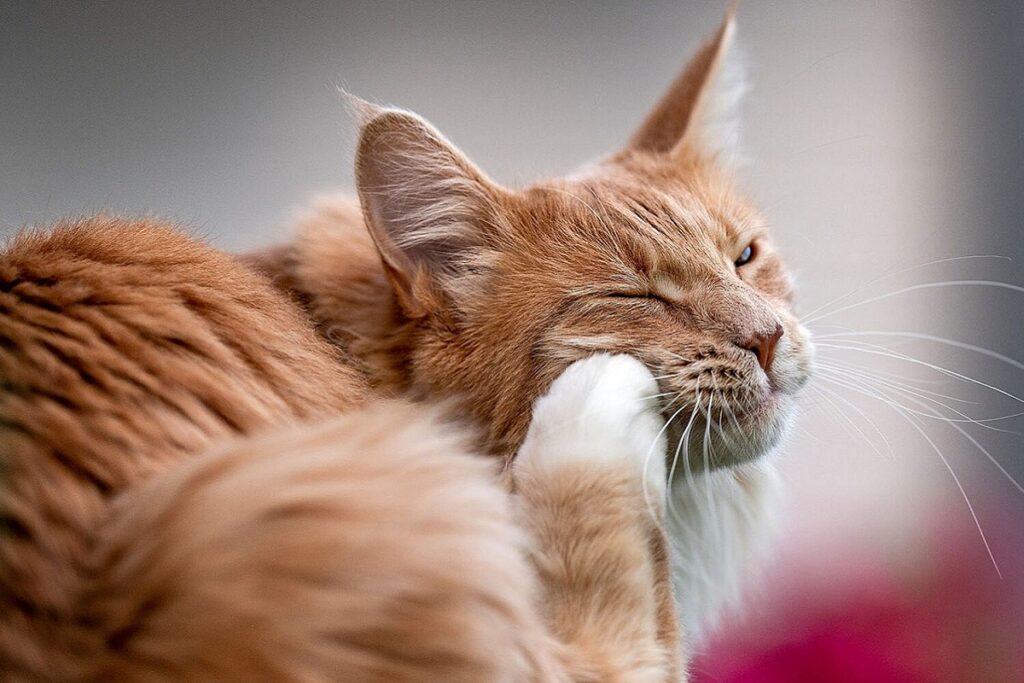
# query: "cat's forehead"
x,y
664,213
679,210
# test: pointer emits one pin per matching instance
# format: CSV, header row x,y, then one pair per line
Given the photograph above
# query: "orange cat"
x,y
197,486
441,283
178,504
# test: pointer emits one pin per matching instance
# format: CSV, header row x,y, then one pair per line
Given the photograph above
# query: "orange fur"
x,y
442,283
609,601
124,348
179,505
460,281
181,499
368,548
372,546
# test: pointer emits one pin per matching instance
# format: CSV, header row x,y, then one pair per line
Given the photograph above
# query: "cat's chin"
x,y
760,430
732,439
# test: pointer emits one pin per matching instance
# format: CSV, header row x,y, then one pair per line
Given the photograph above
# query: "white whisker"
x,y
810,316
916,288
981,422
863,415
917,361
932,338
910,419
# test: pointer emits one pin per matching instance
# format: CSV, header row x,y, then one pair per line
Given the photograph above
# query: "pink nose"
x,y
763,346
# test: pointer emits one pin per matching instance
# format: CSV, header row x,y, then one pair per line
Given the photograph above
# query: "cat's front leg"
x,y
591,477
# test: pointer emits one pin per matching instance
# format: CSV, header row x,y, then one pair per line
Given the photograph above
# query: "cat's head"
x,y
650,252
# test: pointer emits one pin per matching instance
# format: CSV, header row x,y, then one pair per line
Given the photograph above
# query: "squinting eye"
x,y
634,295
746,257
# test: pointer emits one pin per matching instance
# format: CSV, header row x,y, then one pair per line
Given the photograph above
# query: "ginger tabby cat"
x,y
198,486
439,282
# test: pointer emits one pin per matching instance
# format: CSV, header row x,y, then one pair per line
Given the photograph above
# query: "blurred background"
x,y
886,146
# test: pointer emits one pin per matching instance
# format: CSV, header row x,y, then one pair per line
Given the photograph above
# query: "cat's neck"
x,y
332,270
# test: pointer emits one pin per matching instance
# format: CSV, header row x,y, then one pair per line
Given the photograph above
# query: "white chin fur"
x,y
720,523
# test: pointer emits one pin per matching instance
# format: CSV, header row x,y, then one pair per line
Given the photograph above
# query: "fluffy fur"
x,y
180,503
591,439
126,347
181,499
440,281
367,548
720,526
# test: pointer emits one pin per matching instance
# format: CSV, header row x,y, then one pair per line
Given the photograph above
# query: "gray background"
x,y
883,135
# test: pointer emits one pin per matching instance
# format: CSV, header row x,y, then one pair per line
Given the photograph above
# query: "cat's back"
x,y
131,328
126,346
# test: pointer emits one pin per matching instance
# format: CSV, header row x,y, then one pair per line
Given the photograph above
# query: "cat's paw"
x,y
601,412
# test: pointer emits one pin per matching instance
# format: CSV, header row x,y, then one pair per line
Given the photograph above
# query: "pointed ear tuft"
x,y
359,109
425,204
699,111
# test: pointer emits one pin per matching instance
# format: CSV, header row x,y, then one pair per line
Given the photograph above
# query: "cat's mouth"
x,y
732,424
714,436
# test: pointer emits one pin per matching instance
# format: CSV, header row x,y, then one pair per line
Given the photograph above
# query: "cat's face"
x,y
649,252
638,257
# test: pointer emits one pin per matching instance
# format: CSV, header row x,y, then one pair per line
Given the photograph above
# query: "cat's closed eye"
x,y
637,295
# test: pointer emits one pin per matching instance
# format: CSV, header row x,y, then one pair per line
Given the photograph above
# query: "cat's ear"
x,y
699,111
425,204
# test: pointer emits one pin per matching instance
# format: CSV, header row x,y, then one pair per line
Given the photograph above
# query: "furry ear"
x,y
698,113
425,204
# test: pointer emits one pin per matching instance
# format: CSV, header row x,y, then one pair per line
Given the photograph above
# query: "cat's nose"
x,y
762,344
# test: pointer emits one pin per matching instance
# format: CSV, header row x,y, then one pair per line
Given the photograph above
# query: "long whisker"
x,y
661,395
722,411
913,423
892,378
863,416
981,422
853,383
917,361
684,437
886,276
915,288
932,338
960,486
683,442
707,463
999,466
880,396
651,453
846,369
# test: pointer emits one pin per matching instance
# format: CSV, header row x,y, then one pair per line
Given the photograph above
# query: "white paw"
x,y
601,411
